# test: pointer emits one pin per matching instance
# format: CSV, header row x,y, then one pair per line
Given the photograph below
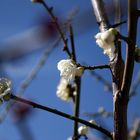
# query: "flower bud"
x,y
83,130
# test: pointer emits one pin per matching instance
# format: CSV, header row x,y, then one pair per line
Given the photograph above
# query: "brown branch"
x,y
117,66
62,114
132,31
78,88
100,14
94,67
72,43
50,9
77,106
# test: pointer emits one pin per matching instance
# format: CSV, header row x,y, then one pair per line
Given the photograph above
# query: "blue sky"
x,y
18,16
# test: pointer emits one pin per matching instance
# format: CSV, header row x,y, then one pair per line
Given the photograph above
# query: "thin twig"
x,y
72,43
130,50
77,106
94,67
54,111
50,9
118,24
78,88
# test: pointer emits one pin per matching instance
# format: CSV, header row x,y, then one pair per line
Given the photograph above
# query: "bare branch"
x,y
100,14
72,43
50,11
95,67
117,66
54,111
132,31
78,88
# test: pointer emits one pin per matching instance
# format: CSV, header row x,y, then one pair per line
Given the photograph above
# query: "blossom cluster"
x,y
105,40
68,71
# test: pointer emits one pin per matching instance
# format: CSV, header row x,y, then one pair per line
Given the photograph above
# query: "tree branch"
x,y
95,67
54,111
100,14
72,43
117,67
50,9
130,50
78,88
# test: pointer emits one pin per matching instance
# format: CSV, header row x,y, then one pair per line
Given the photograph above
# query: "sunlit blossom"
x,y
68,69
83,130
105,40
63,90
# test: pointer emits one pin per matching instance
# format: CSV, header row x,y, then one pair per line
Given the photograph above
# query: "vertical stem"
x,y
77,107
78,88
130,51
117,5
121,97
72,43
120,117
120,102
101,17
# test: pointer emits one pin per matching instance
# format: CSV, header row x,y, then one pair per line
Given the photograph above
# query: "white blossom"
x,y
83,130
5,87
105,40
63,91
68,69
